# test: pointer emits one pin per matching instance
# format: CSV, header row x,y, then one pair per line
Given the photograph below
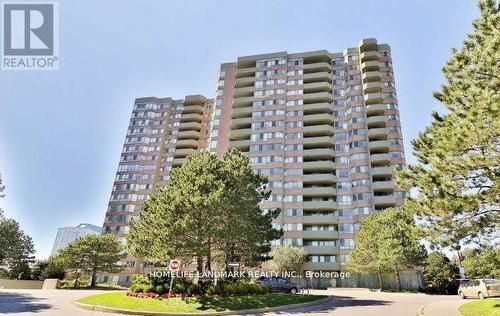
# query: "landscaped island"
x,y
488,307
195,305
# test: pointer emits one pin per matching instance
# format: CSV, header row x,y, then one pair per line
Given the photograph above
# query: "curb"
x,y
99,308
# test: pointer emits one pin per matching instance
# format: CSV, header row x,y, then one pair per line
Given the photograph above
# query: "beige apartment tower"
x,y
324,127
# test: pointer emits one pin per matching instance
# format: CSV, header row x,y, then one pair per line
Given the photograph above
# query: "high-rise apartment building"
x,y
324,127
162,132
65,235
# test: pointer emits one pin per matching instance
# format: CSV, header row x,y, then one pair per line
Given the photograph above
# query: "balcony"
x,y
184,152
243,145
318,97
317,76
317,67
241,122
320,219
188,134
386,200
319,192
377,132
322,250
244,92
318,130
367,44
371,87
319,153
319,165
320,205
185,126
242,102
322,178
324,141
373,109
383,186
242,112
372,98
321,266
194,117
240,134
246,72
244,82
381,171
369,55
321,234
317,108
178,162
380,158
370,66
317,87
371,76
324,118
378,145
379,120
187,143
193,109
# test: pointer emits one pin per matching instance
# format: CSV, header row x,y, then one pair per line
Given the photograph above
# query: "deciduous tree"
x,y
482,263
287,258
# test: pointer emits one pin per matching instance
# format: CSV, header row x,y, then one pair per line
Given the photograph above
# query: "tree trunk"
x,y
209,257
398,279
93,279
76,280
199,260
380,283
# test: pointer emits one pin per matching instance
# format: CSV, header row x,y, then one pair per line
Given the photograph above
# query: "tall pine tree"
x,y
456,177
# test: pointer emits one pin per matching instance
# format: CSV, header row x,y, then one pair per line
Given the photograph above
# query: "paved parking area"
x,y
345,302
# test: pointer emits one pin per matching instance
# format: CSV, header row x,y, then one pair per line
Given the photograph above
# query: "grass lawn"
x,y
194,305
487,307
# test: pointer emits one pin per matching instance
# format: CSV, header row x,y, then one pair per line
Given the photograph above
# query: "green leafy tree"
x,y
387,242
438,272
47,269
16,248
287,258
456,179
92,254
209,207
482,263
54,269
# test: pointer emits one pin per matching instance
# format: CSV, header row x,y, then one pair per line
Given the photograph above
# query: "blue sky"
x,y
61,132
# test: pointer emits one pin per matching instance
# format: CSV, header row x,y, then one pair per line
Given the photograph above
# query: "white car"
x,y
480,288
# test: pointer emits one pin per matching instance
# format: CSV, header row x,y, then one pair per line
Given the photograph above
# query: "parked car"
x,y
280,285
480,288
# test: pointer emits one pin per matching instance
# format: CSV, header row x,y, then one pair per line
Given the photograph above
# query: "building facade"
x,y
324,127
66,235
162,132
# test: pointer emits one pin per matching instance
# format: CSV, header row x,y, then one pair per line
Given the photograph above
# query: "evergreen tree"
x,y
438,272
456,179
209,207
92,254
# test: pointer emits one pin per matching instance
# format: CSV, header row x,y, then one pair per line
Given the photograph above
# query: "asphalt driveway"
x,y
345,302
